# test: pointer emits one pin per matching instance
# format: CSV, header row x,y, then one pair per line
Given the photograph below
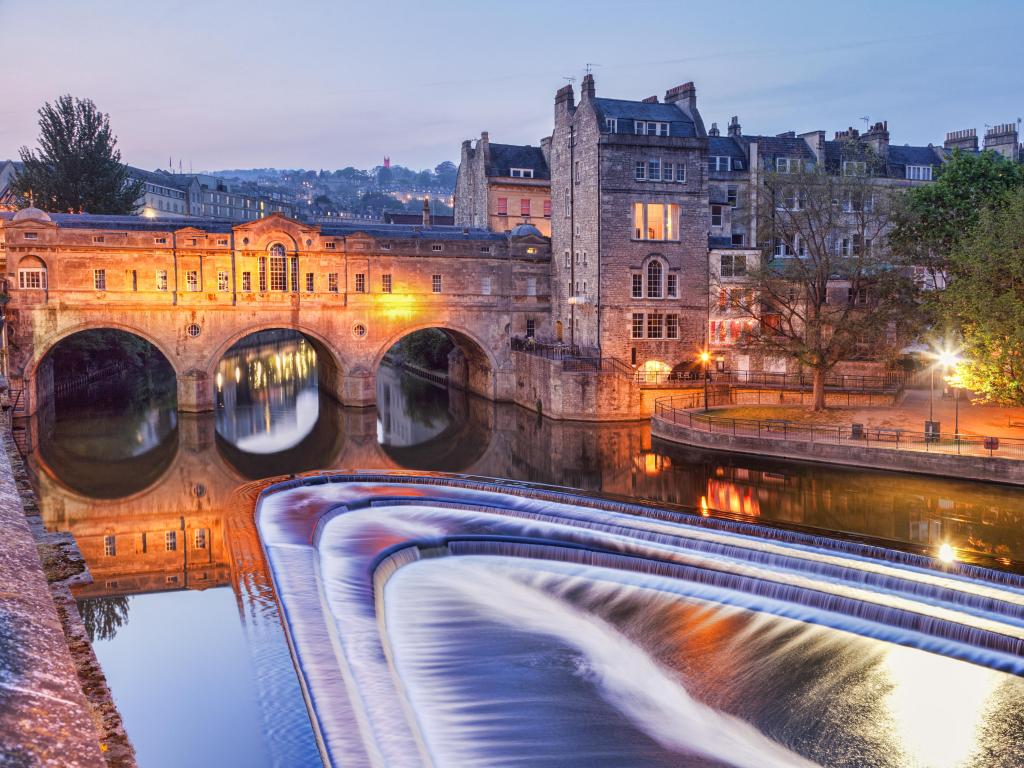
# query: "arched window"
x,y
32,273
654,280
278,268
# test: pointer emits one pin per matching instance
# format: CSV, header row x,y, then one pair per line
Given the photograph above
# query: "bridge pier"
x,y
195,391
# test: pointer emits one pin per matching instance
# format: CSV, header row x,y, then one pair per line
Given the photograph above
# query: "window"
x,y
330,245
855,168
192,280
531,286
109,546
99,279
638,286
436,247
637,331
719,163
732,196
787,165
655,221
200,538
782,248
612,124
568,260
332,282
247,281
222,280
531,327
568,204
857,297
32,278
31,235
672,286
654,280
919,172
385,283
576,172
640,170
160,240
278,280
310,282
360,282
524,206
294,271
521,173
737,238
503,206
650,128
680,172
98,238
655,325
385,246
435,283
733,265
671,326
222,241
170,541
716,215
263,273
654,170
485,286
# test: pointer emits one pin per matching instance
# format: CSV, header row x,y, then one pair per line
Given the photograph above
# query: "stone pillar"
x,y
196,431
358,388
195,391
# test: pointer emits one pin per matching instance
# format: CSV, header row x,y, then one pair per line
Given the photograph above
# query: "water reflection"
x,y
150,494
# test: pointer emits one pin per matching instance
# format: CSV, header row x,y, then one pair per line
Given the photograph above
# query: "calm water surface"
x,y
184,619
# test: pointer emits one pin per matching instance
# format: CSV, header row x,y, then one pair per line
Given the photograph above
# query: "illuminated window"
x,y
638,286
161,279
671,285
385,283
109,546
278,265
654,280
222,280
247,281
360,282
435,283
655,221
310,282
200,538
671,326
637,330
99,279
32,278
332,282
171,541
655,325
192,280
503,206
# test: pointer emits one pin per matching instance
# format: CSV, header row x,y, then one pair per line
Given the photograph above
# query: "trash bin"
x,y
932,430
856,431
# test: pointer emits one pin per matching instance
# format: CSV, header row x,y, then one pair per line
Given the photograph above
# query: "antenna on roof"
x,y
589,67
570,79
867,122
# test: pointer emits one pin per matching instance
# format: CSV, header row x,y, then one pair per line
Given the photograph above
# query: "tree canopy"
x,y
77,166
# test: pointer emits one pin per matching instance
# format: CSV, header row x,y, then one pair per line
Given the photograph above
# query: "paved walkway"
x,y
910,414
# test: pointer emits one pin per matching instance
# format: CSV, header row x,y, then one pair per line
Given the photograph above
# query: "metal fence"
x,y
893,382
687,410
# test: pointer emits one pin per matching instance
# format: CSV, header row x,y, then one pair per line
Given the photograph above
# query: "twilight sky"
x,y
329,83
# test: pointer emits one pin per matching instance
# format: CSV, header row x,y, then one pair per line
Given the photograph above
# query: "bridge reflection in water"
x,y
160,504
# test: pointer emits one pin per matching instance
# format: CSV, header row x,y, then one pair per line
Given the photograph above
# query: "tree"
x,y
985,302
929,220
823,290
446,173
77,166
103,616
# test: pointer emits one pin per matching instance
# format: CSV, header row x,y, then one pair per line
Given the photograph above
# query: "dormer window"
x,y
650,128
719,163
330,245
855,168
787,165
612,124
521,173
919,172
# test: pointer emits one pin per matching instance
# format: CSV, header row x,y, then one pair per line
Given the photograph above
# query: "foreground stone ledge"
x,y
45,719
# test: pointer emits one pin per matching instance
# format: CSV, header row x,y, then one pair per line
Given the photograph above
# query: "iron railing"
x,y
687,410
893,382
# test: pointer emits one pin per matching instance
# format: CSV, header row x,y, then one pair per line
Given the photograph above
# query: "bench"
x,y
887,434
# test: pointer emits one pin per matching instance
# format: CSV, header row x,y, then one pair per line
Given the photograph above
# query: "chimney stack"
x,y
587,88
685,97
965,140
426,210
649,100
713,131
878,137
1004,140
734,127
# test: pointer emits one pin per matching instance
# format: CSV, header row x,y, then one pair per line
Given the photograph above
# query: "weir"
x,y
339,548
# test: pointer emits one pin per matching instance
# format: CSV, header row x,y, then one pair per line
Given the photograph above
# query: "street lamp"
x,y
705,358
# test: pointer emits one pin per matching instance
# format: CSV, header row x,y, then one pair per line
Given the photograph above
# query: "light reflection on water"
x,y
127,465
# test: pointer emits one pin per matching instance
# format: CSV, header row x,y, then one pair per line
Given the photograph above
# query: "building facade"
x,y
500,186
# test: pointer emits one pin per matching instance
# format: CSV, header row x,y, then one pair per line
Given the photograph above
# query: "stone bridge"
x,y
193,288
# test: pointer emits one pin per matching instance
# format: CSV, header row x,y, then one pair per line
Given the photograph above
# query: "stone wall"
x,y
542,385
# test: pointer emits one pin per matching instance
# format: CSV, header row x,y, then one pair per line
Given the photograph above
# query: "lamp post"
x,y
705,358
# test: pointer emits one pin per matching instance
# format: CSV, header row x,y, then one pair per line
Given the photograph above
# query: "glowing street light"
x,y
946,553
705,358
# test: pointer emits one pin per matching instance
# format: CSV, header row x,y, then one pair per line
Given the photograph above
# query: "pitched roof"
x,y
679,123
161,178
725,146
503,157
781,146
408,231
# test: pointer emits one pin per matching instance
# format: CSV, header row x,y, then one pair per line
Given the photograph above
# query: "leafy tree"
x,y
929,220
428,348
446,173
985,300
824,290
77,166
384,177
103,616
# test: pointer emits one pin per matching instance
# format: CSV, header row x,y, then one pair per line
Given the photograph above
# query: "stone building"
x,y
630,226
176,195
500,186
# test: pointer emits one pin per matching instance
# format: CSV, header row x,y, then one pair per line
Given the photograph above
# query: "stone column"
x,y
358,387
195,391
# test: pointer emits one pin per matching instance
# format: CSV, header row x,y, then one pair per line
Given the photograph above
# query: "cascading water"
x,y
444,622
